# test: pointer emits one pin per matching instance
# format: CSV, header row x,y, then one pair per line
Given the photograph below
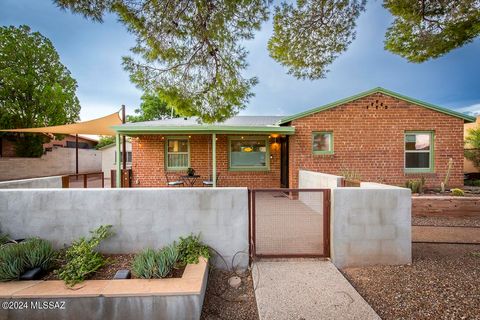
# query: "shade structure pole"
x,y
76,154
124,141
118,172
214,159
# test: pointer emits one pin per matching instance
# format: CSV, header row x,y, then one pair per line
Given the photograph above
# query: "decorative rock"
x,y
235,282
122,274
32,274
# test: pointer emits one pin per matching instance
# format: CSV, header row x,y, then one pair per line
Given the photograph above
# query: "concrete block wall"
x,y
34,183
141,217
60,161
371,225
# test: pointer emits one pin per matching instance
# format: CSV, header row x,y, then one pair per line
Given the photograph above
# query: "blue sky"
x,y
93,51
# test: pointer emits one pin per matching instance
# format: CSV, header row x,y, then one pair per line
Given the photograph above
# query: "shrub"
x,y
12,261
81,257
39,253
350,174
150,264
145,264
473,183
190,248
16,258
416,185
457,192
4,238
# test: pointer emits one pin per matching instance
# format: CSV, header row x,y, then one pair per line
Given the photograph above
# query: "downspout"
x,y
118,172
214,159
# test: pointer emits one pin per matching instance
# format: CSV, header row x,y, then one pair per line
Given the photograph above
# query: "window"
x,y
419,151
322,142
129,156
177,153
250,153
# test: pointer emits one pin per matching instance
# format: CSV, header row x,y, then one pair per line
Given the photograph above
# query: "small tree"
x,y
153,107
36,89
104,141
472,143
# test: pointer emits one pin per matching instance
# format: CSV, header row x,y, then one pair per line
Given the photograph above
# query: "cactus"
x,y
449,168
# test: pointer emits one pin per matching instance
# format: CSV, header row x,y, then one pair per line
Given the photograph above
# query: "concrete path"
x,y
445,234
304,290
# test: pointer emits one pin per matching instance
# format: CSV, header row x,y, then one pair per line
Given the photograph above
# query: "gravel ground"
x,y
443,282
446,221
225,302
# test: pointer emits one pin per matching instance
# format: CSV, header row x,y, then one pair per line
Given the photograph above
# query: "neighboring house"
x,y
109,158
468,166
378,134
7,144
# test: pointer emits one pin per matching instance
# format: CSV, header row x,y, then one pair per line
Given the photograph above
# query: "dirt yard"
x,y
443,282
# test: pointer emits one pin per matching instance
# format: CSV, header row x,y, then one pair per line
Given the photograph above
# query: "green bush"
x,y
4,238
12,261
416,185
191,248
81,257
16,258
150,264
457,192
472,183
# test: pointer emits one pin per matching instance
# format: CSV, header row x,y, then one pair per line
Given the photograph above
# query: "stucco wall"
x,y
313,180
371,225
141,217
108,159
60,161
34,183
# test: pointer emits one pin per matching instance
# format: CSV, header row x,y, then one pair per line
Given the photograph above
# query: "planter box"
x,y
440,206
173,298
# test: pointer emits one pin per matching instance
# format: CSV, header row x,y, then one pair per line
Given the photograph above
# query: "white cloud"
x,y
474,109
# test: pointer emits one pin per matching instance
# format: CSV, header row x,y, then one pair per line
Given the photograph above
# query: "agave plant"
x,y
167,257
145,264
38,253
12,261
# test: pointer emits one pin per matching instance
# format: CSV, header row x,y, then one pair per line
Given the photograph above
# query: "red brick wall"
x,y
148,164
371,141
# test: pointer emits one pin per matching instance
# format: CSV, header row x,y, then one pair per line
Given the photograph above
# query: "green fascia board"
x,y
134,130
427,105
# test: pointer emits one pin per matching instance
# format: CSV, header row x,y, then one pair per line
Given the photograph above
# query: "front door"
x,y
284,162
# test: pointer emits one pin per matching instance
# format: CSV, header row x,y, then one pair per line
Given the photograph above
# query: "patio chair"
x,y
209,182
174,183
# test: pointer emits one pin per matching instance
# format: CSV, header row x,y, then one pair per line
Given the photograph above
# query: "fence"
x,y
84,180
290,222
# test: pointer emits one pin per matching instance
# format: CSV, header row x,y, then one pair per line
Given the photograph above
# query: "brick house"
x,y
378,134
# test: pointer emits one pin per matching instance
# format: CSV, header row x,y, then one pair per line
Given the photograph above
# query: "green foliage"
x,y
473,183
12,262
472,144
150,264
153,107
457,192
36,89
105,141
16,258
81,257
308,37
38,253
428,29
4,238
191,248
190,50
416,185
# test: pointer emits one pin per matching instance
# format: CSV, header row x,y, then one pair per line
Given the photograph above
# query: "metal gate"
x,y
289,222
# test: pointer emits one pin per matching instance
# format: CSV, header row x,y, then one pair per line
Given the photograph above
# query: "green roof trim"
x,y
427,105
204,129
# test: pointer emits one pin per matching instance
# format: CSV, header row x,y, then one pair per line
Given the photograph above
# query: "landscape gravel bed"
x,y
224,302
446,221
443,282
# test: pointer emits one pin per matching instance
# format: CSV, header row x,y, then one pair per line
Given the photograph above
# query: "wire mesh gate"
x,y
289,222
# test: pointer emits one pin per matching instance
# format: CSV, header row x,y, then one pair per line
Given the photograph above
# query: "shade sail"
x,y
100,126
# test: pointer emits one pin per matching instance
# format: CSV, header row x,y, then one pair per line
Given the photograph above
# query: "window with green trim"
x,y
322,142
419,151
249,153
177,153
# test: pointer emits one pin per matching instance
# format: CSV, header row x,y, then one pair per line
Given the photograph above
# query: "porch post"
x,y
214,159
118,171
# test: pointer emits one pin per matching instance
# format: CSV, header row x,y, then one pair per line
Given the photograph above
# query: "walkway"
x,y
446,234
306,289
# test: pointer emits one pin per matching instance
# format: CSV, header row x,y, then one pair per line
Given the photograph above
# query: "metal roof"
x,y
193,121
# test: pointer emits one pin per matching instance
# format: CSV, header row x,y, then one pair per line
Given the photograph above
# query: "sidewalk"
x,y
306,289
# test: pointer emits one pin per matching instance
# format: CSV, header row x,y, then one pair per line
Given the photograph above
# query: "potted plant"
x,y
190,172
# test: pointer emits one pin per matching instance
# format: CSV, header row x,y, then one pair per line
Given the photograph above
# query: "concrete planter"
x,y
173,298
